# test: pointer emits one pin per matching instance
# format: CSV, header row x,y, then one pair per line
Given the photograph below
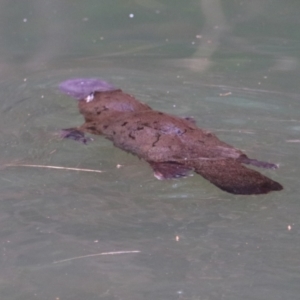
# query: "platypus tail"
x,y
231,176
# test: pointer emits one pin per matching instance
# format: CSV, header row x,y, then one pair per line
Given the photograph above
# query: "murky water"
x,y
233,67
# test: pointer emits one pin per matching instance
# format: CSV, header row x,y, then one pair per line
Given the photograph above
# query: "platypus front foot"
x,y
74,134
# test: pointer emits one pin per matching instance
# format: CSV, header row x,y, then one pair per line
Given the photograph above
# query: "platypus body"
x,y
172,146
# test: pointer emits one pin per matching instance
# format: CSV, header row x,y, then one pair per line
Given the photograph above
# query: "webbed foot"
x,y
257,163
75,135
169,170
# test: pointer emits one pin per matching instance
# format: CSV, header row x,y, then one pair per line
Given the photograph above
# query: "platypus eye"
x,y
89,98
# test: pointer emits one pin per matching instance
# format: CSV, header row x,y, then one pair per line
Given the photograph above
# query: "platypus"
x,y
173,146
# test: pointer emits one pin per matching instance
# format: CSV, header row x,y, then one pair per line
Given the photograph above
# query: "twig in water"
x,y
293,141
98,254
52,167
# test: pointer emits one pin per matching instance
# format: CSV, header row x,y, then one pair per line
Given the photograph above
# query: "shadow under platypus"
x,y
172,146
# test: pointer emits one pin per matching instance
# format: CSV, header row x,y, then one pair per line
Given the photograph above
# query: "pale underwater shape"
x,y
80,88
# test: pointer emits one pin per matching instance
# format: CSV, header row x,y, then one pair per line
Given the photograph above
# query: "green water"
x,y
233,66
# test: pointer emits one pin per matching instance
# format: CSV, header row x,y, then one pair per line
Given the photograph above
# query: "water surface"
x,y
233,66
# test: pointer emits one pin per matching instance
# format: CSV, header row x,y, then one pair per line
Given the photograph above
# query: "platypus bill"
x,y
172,146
